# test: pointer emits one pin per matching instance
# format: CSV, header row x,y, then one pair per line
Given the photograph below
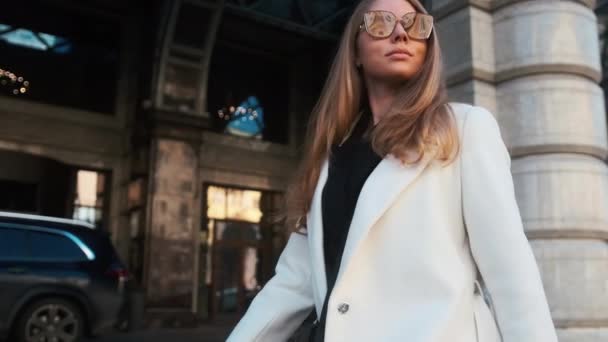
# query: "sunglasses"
x,y
381,24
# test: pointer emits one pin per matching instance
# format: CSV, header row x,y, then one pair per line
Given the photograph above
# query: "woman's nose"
x,y
400,33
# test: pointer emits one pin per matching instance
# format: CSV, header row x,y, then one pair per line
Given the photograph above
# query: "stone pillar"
x,y
465,33
119,224
536,66
172,233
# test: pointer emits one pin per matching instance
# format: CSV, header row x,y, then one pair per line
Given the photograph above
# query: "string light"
x,y
17,84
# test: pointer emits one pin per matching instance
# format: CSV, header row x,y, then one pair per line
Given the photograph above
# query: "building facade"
x,y
175,125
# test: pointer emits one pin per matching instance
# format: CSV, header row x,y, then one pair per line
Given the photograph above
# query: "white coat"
x,y
418,236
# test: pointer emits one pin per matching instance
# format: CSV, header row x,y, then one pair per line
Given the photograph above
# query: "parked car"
x,y
60,279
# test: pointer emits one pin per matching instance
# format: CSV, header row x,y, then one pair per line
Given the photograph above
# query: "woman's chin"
x,y
397,76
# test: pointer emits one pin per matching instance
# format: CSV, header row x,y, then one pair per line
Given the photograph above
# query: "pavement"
x,y
198,334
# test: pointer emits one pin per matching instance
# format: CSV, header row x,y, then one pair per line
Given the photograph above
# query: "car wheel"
x,y
51,320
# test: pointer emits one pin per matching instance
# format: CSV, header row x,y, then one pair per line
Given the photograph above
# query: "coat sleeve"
x,y
284,302
496,234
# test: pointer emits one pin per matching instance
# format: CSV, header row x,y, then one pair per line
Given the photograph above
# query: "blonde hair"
x,y
418,121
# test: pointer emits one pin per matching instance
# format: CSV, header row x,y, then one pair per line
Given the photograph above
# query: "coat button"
x,y
343,308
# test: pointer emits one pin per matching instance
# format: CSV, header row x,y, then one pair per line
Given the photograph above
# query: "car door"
x,y
14,272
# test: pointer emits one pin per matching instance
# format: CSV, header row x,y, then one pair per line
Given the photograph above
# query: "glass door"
x,y
237,249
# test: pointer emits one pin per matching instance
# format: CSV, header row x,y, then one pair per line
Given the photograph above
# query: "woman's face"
x,y
393,59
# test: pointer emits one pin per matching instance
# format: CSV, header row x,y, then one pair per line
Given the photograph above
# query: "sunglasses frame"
x,y
398,20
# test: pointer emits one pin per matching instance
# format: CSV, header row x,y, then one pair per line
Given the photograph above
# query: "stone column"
x,y
536,66
172,233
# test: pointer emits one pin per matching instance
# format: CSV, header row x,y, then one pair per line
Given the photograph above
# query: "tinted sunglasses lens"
x,y
379,24
408,20
422,27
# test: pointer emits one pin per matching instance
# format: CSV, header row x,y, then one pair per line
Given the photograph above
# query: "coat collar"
x,y
380,190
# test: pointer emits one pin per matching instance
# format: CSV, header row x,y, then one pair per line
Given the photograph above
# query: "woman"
x,y
408,201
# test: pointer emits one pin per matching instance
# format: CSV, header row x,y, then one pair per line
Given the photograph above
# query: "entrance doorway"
x,y
237,253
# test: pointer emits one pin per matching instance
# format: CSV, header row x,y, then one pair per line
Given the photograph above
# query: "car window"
x,y
51,246
12,244
100,243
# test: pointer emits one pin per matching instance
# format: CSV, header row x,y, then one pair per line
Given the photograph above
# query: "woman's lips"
x,y
399,54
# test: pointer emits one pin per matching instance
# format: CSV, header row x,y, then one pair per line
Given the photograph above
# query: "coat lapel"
x,y
315,220
389,179
380,190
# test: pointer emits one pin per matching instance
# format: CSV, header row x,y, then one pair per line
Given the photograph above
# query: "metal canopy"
x,y
321,18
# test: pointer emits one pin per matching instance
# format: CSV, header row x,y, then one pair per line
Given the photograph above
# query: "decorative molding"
x,y
524,151
472,73
580,323
20,107
579,233
549,68
469,74
247,144
73,157
498,4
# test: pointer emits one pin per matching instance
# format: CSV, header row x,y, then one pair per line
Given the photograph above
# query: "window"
x,y
233,204
89,197
183,81
191,15
34,40
68,58
181,87
50,247
248,94
12,244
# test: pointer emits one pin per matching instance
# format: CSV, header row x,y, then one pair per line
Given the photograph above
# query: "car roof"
x,y
55,221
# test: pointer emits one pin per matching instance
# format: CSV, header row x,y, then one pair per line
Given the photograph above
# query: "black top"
x,y
350,165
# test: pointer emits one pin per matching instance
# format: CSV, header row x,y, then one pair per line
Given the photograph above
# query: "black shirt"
x,y
350,165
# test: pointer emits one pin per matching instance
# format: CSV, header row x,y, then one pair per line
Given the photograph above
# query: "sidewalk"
x,y
198,334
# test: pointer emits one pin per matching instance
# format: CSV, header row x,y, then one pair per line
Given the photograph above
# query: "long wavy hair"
x,y
418,122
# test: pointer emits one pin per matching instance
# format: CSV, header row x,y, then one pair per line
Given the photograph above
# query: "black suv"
x,y
60,279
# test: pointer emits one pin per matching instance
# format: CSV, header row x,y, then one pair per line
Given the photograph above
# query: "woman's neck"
x,y
380,97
